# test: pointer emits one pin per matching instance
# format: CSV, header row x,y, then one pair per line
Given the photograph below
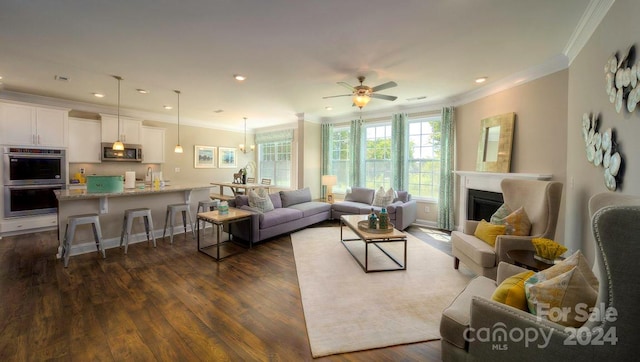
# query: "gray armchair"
x,y
617,233
541,202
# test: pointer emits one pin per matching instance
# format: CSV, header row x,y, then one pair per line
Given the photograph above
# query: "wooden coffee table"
x,y
225,248
372,239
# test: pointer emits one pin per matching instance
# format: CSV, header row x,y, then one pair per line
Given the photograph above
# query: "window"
x,y
340,160
275,162
377,163
424,157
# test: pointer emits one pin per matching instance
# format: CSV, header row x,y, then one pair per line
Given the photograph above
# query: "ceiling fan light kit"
x,y
362,94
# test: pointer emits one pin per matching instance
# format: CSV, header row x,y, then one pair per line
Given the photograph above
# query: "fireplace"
x,y
482,204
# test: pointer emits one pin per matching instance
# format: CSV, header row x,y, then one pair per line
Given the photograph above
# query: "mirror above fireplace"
x,y
494,147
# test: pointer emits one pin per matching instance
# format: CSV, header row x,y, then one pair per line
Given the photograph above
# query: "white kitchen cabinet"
x,y
84,141
152,144
129,131
32,125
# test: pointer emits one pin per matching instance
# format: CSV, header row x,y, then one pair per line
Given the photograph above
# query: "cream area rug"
x,y
349,310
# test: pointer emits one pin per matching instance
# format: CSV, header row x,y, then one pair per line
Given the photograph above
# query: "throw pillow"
x,y
498,217
517,223
564,299
511,291
384,198
260,200
576,260
488,232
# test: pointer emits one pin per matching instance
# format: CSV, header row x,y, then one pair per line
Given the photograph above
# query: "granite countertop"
x,y
79,194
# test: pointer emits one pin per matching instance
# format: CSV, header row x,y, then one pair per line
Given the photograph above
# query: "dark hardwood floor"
x,y
167,304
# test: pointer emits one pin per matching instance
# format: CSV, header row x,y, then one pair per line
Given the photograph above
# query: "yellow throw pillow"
x,y
518,223
511,291
488,232
564,299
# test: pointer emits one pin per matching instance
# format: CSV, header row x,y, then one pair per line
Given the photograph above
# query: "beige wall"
x,y
191,136
539,140
619,29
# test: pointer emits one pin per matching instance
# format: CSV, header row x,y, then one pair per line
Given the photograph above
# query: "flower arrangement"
x,y
547,250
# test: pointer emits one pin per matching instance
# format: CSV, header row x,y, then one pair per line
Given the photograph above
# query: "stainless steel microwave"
x,y
131,153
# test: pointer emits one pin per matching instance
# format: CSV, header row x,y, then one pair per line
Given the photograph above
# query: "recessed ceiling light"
x,y
328,108
167,107
416,98
142,91
98,95
239,77
481,80
0,77
218,111
62,78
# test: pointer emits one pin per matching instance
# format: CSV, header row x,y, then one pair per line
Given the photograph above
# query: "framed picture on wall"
x,y
204,157
227,157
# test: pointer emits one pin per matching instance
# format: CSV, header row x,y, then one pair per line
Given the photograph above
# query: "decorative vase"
x,y
244,179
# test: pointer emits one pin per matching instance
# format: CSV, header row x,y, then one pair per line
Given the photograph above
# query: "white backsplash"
x,y
113,168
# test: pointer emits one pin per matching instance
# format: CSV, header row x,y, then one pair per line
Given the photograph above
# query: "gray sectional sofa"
x,y
293,210
402,212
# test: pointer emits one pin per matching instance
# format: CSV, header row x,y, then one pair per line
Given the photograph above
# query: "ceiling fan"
x,y
362,94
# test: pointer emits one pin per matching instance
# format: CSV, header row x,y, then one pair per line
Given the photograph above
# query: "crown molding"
x,y
591,18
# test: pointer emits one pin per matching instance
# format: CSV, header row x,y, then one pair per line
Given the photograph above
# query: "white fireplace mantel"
x,y
486,181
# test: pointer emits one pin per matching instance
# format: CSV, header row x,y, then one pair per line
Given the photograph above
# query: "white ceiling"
x,y
292,51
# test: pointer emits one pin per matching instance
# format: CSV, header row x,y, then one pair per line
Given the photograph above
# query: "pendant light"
x,y
118,145
242,146
178,148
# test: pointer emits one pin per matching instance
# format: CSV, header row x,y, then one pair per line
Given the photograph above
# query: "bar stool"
x,y
127,223
207,205
172,210
69,233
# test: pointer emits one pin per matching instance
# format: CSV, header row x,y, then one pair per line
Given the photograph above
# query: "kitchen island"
x,y
111,206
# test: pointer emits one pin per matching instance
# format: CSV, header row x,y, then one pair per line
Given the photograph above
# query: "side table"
x,y
219,221
525,259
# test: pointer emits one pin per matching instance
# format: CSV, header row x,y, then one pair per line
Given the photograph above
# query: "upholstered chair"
x,y
472,326
541,202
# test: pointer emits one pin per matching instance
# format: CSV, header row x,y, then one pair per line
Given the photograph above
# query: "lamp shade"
x,y
329,180
361,100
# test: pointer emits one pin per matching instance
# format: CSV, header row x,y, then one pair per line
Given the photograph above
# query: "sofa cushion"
x,y
391,209
260,200
488,232
568,292
276,200
456,317
351,207
279,216
403,196
511,291
295,196
311,208
242,200
252,209
474,248
384,198
360,194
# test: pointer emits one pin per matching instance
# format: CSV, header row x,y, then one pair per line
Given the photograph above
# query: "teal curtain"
x,y
357,156
447,147
327,132
399,159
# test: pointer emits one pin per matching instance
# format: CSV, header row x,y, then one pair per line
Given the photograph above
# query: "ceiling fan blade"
x,y
341,95
384,96
346,85
384,86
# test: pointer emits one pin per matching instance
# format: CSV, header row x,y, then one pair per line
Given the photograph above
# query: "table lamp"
x,y
329,181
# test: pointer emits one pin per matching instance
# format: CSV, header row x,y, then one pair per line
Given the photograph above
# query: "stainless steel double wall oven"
x,y
30,176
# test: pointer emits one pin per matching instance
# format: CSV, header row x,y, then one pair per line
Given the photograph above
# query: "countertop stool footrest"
x,y
172,211
72,223
129,215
